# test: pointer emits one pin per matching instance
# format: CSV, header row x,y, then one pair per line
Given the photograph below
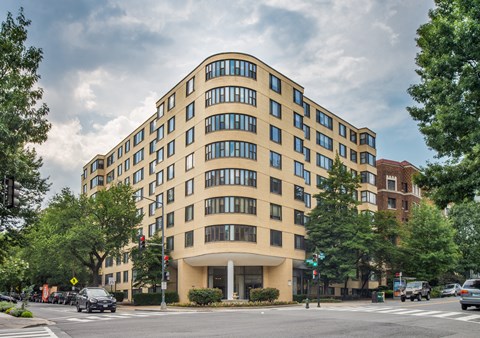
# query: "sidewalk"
x,y
11,322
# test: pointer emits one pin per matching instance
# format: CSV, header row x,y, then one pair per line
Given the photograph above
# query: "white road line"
x,y
28,333
392,310
408,312
447,314
426,313
467,318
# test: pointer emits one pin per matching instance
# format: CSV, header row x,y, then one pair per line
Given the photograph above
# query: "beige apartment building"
x,y
233,153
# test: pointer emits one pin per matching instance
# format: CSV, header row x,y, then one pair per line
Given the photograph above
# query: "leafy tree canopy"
x,y
449,94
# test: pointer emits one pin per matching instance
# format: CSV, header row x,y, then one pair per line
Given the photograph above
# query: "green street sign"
x,y
311,262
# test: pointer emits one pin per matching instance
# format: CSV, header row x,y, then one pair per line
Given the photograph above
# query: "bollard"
x,y
307,303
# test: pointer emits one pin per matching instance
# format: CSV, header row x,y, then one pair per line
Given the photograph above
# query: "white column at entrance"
x,y
230,280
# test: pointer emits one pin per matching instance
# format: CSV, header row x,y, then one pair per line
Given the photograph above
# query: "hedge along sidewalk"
x,y
11,322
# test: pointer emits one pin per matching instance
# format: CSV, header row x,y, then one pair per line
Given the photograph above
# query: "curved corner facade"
x,y
234,153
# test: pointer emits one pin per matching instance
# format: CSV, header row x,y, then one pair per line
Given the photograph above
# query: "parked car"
x,y
55,297
470,294
416,290
451,290
5,298
95,299
70,298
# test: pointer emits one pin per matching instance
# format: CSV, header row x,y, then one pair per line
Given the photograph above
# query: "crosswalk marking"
x,y
461,316
110,316
40,332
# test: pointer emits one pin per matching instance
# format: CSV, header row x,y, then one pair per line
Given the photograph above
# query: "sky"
x,y
106,63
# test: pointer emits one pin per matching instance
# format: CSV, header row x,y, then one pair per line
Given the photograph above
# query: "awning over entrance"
x,y
243,259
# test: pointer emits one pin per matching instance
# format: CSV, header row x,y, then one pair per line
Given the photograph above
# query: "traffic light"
x,y
13,192
141,242
315,274
166,261
166,276
315,259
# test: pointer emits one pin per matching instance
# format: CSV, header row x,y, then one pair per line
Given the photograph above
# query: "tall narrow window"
x,y
275,84
190,85
171,101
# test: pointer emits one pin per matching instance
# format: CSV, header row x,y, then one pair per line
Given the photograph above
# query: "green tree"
x,y
466,221
428,247
92,228
333,225
13,274
387,233
449,93
147,263
22,123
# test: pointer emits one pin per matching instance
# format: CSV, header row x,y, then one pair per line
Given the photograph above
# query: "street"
x,y
435,318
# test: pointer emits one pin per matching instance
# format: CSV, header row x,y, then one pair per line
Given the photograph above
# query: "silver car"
x,y
470,294
451,290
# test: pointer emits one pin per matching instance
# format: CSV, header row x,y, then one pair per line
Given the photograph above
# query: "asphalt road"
x,y
435,318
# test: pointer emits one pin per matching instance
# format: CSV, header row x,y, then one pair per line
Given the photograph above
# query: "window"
x,y
170,243
405,204
275,134
275,238
306,154
171,125
170,195
189,239
368,177
230,149
275,186
404,187
230,204
230,232
108,261
342,150
151,147
96,181
324,120
190,111
275,160
125,276
297,97
171,172
160,110
120,152
153,126
298,193
230,67
230,94
151,209
368,197
231,176
118,277
190,85
125,257
275,211
275,84
366,138
170,219
392,203
298,217
151,167
127,164
189,213
170,148
307,198
353,136
306,132
298,168
171,102
324,162
189,162
299,242
138,176
298,121
138,195
307,176
159,178
189,187
230,121
151,188
110,159
190,136
160,132
275,109
367,158
160,155
391,184
342,130
324,141
306,109
111,176
353,156
138,137
127,146
138,156
298,144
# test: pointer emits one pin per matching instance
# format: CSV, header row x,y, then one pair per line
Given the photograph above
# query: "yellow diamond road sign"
x,y
74,281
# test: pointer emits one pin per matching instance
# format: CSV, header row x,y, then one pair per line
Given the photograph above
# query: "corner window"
x,y
275,84
171,102
190,85
297,97
190,111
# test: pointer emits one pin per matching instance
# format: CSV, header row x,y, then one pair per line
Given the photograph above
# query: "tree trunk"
x,y
345,287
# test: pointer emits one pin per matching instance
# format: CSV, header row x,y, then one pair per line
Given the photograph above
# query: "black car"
x,y
5,298
95,299
70,298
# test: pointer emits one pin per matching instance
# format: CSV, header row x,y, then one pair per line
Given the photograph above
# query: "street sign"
x,y
164,285
74,281
111,281
311,262
321,255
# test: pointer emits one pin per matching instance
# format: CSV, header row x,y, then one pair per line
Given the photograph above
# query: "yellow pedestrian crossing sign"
x,y
74,281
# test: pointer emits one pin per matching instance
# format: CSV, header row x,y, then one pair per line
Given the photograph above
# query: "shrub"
x,y
204,296
389,294
436,292
264,295
119,296
4,306
7,311
26,314
16,312
154,298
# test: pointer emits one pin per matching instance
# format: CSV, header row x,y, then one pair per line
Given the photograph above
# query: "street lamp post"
x,y
163,305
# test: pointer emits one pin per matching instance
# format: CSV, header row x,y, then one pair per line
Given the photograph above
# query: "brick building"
x,y
395,188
